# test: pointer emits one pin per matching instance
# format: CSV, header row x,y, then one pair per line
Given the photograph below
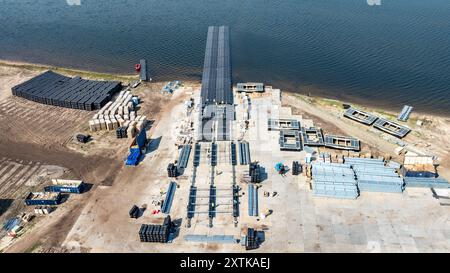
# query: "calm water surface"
x,y
388,55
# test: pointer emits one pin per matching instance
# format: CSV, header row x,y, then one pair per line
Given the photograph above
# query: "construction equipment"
x,y
280,168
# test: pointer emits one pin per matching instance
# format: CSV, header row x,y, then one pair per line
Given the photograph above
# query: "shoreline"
x,y
130,77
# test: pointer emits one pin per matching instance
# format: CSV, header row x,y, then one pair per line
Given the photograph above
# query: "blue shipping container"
x,y
68,189
34,202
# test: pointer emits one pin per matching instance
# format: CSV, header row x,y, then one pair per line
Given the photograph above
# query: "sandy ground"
x,y
34,136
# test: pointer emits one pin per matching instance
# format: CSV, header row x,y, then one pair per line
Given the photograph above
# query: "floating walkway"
x,y
391,127
342,142
360,116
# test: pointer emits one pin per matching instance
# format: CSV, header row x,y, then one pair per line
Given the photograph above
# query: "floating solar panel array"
x,y
312,136
244,153
373,176
233,153
342,142
360,116
183,158
165,208
426,182
391,127
252,200
197,150
404,114
334,180
216,78
58,90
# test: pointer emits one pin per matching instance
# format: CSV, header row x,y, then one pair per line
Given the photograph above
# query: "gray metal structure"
x,y
312,136
360,116
250,87
404,114
217,108
283,124
290,140
391,127
216,79
342,142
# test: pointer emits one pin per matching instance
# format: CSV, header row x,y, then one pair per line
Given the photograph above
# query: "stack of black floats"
x,y
255,173
156,233
121,132
296,168
172,170
134,212
58,90
252,239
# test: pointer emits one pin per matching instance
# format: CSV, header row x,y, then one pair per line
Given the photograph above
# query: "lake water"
x,y
387,55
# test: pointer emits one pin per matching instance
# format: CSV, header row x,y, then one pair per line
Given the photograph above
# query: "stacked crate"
x,y
120,113
255,173
296,168
252,239
155,233
172,170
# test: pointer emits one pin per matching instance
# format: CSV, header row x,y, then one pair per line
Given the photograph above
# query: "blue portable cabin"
x,y
43,198
66,186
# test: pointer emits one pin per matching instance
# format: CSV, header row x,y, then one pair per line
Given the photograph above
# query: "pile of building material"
x,y
58,90
252,200
65,185
372,175
334,180
251,240
404,114
156,233
416,165
165,208
43,198
426,182
244,153
212,239
119,114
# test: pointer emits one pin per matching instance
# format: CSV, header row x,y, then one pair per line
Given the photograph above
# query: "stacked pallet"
x,y
255,173
373,176
156,233
427,182
119,114
334,180
296,168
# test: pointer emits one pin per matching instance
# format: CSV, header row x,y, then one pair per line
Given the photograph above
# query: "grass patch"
x,y
72,72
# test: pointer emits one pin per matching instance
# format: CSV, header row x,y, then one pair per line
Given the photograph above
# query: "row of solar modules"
x,y
58,90
212,201
213,154
191,202
197,150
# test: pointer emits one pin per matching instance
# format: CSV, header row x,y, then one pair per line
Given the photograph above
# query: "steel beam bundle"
x,y
244,153
216,239
334,180
233,153
252,200
165,208
183,158
426,182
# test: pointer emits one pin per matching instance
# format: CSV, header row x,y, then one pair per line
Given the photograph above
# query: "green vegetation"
x,y
73,72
